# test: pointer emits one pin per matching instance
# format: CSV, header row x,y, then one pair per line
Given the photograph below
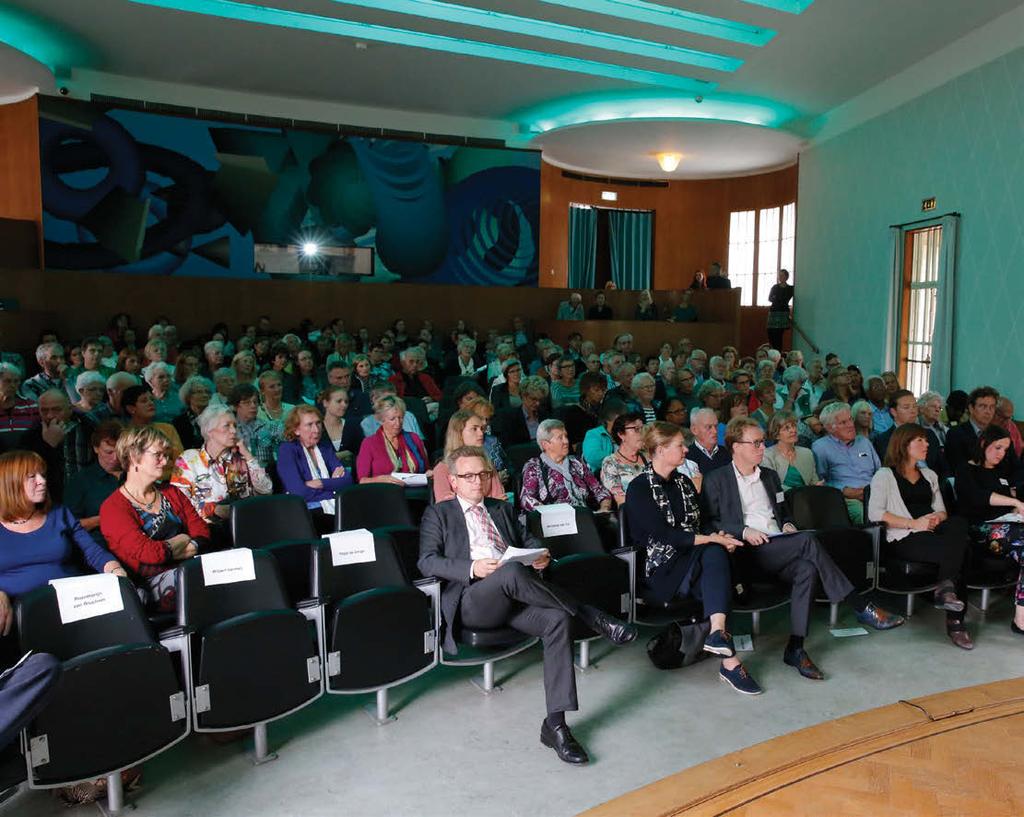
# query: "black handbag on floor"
x,y
680,644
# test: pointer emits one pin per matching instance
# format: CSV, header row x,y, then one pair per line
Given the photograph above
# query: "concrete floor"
x,y
453,751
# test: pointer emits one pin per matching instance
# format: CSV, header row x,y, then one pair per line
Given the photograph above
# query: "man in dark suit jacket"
x,y
461,543
903,410
962,440
717,278
510,424
747,502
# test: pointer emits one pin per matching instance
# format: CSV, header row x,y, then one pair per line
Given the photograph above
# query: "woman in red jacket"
x,y
150,528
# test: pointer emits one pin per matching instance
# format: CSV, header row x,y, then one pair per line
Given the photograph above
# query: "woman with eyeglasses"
x,y
150,528
627,461
793,463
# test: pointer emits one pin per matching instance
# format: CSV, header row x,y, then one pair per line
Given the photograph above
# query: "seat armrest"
x,y
312,602
426,582
174,632
622,551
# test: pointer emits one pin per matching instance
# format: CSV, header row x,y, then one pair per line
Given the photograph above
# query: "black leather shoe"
x,y
565,745
616,631
803,663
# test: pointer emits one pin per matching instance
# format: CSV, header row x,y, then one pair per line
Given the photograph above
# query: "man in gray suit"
x,y
747,502
462,541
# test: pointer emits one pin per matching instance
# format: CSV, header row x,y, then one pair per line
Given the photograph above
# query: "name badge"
x,y
1003,481
780,497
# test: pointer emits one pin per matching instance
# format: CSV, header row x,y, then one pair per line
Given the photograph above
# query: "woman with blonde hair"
x,y
149,527
391,448
676,559
464,428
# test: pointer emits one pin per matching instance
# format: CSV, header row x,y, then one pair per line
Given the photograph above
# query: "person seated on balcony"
x,y
572,309
600,311
646,309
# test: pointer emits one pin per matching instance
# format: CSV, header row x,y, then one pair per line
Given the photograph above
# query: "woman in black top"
x,y
663,512
778,313
985,491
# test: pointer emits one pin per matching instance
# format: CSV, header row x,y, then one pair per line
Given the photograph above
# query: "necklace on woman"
x,y
271,414
138,501
624,458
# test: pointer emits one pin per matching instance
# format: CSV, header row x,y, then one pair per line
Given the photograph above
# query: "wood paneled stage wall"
x,y
691,218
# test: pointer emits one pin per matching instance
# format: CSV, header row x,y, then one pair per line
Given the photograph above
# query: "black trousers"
x,y
800,561
514,596
710,579
23,693
945,547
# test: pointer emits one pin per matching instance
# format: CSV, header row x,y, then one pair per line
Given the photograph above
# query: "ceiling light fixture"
x,y
668,161
265,15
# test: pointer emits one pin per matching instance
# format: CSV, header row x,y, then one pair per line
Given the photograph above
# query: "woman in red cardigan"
x,y
391,449
150,528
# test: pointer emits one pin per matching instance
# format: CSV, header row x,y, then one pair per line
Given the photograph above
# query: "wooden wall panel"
x,y
77,303
691,218
20,192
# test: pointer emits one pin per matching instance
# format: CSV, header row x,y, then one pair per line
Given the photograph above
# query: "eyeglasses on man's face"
x,y
478,476
756,443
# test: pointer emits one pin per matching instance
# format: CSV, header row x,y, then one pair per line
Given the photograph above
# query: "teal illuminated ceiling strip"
x,y
228,9
790,6
500,21
43,41
643,12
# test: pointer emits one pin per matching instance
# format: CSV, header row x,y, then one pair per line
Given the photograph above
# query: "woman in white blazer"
x,y
905,496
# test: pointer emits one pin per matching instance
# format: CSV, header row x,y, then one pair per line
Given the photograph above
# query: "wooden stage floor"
x,y
956,753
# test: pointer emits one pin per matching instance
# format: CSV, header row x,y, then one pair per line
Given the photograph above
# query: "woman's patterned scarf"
x,y
660,553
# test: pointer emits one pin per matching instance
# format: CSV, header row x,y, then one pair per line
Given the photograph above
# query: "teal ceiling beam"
x,y
264,15
789,6
640,11
44,41
513,24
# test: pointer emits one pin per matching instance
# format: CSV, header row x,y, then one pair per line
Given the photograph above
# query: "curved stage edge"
x,y
955,753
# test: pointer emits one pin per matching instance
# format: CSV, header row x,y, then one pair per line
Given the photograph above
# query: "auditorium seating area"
x,y
254,655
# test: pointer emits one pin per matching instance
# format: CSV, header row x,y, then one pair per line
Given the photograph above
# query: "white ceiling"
x,y
709,149
834,51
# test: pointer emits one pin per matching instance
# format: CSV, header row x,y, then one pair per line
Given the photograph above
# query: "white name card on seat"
x,y
352,547
557,520
82,597
411,480
228,567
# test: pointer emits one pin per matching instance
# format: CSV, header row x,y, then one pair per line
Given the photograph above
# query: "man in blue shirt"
x,y
844,459
881,419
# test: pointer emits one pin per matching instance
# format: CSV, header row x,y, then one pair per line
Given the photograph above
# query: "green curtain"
x,y
582,247
629,234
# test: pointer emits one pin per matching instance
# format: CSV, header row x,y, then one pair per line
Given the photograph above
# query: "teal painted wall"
x,y
962,143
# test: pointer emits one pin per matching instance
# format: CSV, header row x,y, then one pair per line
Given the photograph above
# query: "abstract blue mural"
x,y
135,192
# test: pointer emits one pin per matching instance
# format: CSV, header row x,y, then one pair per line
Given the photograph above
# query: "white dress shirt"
x,y
479,545
758,512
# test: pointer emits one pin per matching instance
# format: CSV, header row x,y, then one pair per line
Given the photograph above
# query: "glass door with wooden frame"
x,y
921,254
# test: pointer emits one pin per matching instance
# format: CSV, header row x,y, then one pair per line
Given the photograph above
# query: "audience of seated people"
x,y
294,410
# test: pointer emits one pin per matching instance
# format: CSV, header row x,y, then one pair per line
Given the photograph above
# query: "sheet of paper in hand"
x,y
557,520
228,567
82,597
352,547
411,480
526,556
1008,517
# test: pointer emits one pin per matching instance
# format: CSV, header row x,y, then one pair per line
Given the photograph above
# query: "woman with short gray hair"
x,y
168,402
221,471
195,394
556,476
91,388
